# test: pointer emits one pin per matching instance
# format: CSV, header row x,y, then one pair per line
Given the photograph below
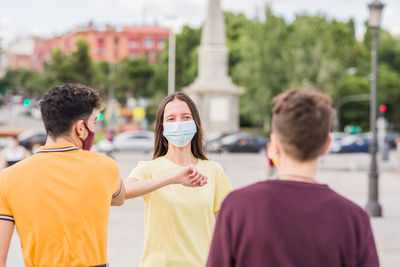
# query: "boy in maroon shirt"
x,y
294,220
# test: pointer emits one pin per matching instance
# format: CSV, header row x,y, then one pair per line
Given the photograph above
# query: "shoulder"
x,y
347,206
250,191
211,164
20,171
152,163
101,160
143,168
245,196
101,157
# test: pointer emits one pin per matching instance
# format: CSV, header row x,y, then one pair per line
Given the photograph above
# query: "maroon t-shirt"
x,y
283,223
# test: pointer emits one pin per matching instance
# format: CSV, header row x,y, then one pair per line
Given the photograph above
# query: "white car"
x,y
336,138
141,141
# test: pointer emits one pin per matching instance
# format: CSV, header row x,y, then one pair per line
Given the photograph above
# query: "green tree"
x,y
235,27
133,77
23,81
75,68
101,77
263,67
80,63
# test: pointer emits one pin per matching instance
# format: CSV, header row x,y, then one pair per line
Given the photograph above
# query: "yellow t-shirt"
x,y
59,200
178,219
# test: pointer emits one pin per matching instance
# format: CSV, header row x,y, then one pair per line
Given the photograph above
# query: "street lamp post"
x,y
373,207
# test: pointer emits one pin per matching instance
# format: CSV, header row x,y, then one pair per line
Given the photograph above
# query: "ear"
x,y
275,144
328,144
79,128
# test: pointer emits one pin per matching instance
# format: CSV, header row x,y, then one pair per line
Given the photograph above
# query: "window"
x,y
161,43
133,44
116,41
100,41
149,43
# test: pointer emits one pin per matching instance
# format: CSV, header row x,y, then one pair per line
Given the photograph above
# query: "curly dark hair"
x,y
63,105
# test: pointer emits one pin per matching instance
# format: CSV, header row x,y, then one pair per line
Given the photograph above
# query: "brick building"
x,y
18,54
107,44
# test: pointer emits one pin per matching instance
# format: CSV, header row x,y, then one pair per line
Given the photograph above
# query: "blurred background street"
x,y
134,53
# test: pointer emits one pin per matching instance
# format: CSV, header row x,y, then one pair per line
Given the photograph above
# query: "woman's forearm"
x,y
137,188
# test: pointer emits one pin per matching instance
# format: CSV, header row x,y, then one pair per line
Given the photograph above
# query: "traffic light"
x,y
100,117
27,102
383,109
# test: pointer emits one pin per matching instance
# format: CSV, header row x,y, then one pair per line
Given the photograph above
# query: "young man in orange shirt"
x,y
59,199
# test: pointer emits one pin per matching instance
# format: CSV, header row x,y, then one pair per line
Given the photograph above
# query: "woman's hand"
x,y
189,176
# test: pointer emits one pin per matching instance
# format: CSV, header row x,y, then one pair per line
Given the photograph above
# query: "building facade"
x,y
18,54
108,44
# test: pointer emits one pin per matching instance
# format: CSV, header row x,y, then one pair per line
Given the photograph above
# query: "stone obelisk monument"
x,y
216,97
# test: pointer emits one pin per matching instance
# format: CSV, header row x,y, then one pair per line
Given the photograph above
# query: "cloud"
x,y
173,12
11,29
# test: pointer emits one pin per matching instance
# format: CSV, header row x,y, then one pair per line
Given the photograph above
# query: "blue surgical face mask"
x,y
180,133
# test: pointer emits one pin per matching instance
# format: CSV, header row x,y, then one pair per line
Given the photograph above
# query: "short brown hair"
x,y
302,120
161,143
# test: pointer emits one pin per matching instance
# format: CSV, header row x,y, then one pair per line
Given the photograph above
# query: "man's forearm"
x,y
6,231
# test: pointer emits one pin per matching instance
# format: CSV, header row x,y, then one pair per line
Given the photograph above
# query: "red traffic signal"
x,y
382,109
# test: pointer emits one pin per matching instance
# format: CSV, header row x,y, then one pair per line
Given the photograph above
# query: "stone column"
x,y
213,91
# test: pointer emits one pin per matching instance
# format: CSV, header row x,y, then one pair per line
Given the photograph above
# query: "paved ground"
x,y
346,174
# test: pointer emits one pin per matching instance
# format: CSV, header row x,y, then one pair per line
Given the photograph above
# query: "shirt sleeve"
x,y
140,172
221,254
116,181
222,188
5,210
368,256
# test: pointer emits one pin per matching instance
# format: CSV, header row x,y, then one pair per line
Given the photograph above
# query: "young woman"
x,y
178,219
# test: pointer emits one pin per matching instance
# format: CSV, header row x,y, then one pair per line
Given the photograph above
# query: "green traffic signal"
x,y
27,102
100,117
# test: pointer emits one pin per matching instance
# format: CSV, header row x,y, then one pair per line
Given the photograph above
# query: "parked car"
x,y
242,142
213,141
357,143
336,138
28,138
141,141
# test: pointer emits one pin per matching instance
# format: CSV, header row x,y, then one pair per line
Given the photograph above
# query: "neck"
x,y
50,141
294,170
181,155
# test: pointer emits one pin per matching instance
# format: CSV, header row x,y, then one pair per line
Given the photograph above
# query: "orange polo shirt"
x,y
59,200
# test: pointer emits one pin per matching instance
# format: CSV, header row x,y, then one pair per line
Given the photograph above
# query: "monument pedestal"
x,y
219,108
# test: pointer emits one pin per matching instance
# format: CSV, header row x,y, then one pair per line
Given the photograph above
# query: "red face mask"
x,y
88,142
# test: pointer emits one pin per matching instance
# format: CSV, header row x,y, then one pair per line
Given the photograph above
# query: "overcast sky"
x,y
50,17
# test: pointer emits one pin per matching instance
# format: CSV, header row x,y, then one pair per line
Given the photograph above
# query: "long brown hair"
x,y
161,143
